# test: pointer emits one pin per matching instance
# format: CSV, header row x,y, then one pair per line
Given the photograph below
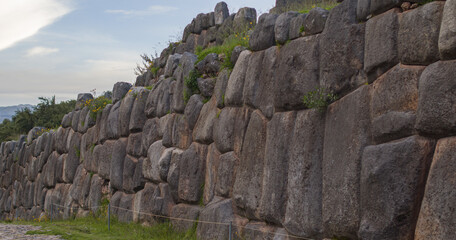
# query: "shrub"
x,y
97,105
319,99
191,82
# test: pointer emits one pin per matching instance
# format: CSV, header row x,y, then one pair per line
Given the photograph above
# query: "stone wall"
x,y
379,163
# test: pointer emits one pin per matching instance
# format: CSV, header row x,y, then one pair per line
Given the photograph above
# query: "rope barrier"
x,y
194,221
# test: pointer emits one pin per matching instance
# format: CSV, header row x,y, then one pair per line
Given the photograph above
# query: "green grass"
x,y
97,228
238,39
325,5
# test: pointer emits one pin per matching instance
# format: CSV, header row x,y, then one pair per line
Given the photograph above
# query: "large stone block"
x,y
275,172
263,35
173,173
437,217
126,107
212,166
187,63
203,129
159,100
292,81
226,174
347,132
447,36
217,211
247,189
437,102
151,165
221,13
150,133
244,19
132,174
184,211
95,193
102,122
193,109
303,205
297,26
125,211
380,51
119,91
260,81
220,86
191,173
138,117
230,127
117,162
72,160
342,50
166,129
394,103
103,156
171,64
422,23
315,21
393,177
235,87
182,133
282,26
144,201
134,146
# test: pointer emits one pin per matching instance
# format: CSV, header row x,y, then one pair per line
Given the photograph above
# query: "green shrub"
x,y
319,99
191,82
233,40
97,105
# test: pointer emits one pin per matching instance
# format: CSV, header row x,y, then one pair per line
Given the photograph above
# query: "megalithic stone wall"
x,y
379,163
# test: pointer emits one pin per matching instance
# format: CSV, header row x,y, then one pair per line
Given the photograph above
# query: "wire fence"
x,y
230,225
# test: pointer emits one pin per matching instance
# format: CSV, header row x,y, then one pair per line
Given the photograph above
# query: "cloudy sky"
x,y
64,47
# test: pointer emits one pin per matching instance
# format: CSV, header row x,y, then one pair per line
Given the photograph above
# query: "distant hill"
x,y
8,112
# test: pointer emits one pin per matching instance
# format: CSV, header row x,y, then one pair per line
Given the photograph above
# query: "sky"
x,y
66,47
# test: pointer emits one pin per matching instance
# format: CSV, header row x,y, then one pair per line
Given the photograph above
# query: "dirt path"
x,y
13,232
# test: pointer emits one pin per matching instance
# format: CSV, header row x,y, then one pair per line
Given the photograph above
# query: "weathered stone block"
x,y
220,86
293,82
263,35
138,117
117,162
226,174
126,107
282,26
217,211
260,81
437,218
173,173
447,37
315,21
193,109
159,100
422,23
342,50
437,102
119,91
380,51
229,128
212,166
347,132
132,174
103,156
151,169
203,128
394,103
393,177
184,211
150,133
247,189
235,87
275,172
182,133
303,205
191,173
297,26
134,146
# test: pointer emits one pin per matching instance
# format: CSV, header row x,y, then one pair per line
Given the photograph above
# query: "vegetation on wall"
x,y
46,114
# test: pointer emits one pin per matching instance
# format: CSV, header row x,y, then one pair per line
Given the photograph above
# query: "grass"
x,y
305,7
97,228
319,99
238,39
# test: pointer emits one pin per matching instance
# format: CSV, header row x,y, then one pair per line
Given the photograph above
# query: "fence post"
x,y
230,237
109,216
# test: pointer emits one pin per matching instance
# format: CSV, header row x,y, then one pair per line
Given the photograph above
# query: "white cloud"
x,y
152,10
41,51
20,19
